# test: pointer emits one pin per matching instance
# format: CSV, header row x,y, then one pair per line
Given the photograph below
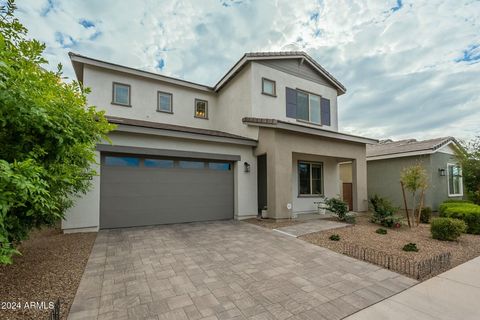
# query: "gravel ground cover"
x,y
363,234
272,223
50,267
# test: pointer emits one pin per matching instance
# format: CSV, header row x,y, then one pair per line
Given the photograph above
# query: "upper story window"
x,y
269,87
455,181
308,107
201,109
121,94
164,102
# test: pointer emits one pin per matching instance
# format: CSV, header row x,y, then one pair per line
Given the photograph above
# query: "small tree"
x,y
47,134
469,158
414,179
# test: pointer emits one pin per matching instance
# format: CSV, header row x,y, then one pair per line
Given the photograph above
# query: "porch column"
x,y
279,181
359,176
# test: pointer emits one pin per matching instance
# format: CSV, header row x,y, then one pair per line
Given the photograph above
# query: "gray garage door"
x,y
137,191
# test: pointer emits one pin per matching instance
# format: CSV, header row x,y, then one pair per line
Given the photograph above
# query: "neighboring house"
x,y
386,160
266,135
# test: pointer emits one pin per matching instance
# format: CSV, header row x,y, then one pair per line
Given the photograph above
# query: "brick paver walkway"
x,y
223,270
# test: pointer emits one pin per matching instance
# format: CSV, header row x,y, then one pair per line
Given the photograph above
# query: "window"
x,y
158,163
201,109
164,102
185,164
310,176
122,161
308,107
221,166
268,87
455,183
121,94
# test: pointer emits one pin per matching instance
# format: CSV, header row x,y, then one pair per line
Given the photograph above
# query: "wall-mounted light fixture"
x,y
247,166
442,172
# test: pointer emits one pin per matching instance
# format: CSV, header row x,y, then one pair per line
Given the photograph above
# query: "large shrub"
x,y
47,135
447,228
469,158
383,211
467,212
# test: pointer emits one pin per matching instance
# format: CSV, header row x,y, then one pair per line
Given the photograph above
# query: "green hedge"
x,y
468,212
447,228
450,204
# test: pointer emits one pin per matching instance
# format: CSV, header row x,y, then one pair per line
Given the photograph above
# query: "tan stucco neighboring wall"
x,y
280,146
346,172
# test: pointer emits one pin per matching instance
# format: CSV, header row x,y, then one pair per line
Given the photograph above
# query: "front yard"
x,y
50,267
363,234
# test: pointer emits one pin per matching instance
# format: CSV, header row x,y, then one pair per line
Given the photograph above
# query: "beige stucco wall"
x,y
264,106
144,99
280,146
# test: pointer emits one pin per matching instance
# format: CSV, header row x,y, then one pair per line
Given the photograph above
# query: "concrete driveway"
x,y
223,270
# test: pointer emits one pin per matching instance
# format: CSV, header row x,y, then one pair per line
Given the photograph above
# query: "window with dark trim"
x,y
164,102
309,107
269,87
121,94
310,178
201,109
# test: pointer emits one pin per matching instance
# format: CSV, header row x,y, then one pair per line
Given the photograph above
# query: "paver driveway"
x,y
223,270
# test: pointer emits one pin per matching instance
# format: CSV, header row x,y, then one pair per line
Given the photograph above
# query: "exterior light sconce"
x,y
247,166
442,172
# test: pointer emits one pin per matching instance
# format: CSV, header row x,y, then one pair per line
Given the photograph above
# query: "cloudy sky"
x,y
411,68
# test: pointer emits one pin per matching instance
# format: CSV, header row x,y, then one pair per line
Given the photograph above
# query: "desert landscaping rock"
x,y
50,267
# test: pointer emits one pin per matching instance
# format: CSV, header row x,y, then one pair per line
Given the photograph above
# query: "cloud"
x,y
410,67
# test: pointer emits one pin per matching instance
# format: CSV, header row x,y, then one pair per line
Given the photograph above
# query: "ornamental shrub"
x,y
447,229
410,247
335,237
339,208
425,215
469,213
381,231
383,212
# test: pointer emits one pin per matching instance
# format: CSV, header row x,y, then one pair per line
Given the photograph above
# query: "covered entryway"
x,y
145,190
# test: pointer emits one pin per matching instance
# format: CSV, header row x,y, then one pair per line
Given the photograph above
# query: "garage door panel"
x,y
136,196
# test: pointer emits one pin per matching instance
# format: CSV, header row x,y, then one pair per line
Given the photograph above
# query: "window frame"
x,y
129,104
322,178
448,180
158,101
309,111
195,109
274,87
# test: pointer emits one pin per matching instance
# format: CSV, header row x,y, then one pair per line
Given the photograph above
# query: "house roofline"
x,y
80,59
284,125
255,56
435,148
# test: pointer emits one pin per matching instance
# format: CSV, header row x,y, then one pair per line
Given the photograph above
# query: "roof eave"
x,y
79,59
246,58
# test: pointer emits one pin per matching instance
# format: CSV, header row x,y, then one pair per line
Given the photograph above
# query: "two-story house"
x,y
265,136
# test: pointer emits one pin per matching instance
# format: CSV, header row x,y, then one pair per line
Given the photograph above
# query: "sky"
x,y
411,68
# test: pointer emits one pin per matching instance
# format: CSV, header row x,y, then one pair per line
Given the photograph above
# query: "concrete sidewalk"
x,y
451,295
298,230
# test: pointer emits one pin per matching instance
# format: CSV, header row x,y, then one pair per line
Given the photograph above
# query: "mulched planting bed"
x,y
363,234
50,267
272,223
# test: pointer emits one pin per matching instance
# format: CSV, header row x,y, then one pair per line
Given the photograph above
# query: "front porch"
x,y
295,172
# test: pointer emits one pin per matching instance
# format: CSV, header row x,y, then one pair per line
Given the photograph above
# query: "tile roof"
x,y
389,147
171,127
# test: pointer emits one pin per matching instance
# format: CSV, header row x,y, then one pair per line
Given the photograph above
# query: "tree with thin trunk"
x,y
414,179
